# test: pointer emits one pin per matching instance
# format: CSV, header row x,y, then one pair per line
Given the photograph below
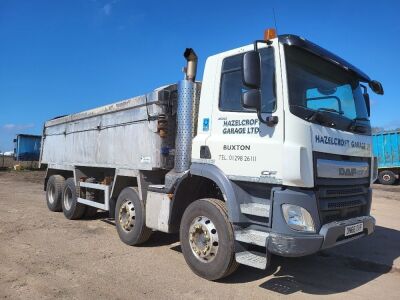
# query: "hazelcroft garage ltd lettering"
x,y
246,126
328,140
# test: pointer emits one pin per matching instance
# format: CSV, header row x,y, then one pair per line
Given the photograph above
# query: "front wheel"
x,y
207,239
130,218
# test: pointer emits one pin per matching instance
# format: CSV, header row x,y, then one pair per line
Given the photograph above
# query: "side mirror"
x,y
251,68
251,99
367,103
376,86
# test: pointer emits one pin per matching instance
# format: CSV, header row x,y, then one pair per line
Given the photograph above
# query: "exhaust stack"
x,y
191,67
184,128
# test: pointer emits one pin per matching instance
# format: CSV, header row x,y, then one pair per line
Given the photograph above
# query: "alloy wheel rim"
x,y
51,194
68,199
127,215
203,239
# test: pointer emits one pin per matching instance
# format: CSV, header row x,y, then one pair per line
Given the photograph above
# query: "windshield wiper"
x,y
331,110
321,118
361,119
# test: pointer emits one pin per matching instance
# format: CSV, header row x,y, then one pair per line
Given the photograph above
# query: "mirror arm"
x,y
364,88
268,42
270,121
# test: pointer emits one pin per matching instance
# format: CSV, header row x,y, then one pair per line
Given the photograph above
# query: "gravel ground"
x,y
43,256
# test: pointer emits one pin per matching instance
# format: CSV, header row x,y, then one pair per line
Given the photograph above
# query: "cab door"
x,y
242,146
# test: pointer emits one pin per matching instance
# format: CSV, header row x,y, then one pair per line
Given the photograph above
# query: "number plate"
x,y
353,229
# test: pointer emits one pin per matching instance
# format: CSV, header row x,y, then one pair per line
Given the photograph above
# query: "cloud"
x,y
107,8
394,124
390,125
13,127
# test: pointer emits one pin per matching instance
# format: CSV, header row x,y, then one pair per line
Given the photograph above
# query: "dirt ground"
x,y
43,256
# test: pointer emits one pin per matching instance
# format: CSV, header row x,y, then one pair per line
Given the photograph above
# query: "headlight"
x,y
298,218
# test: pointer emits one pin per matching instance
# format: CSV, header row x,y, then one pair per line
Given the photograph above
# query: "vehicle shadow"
x,y
157,238
329,272
163,239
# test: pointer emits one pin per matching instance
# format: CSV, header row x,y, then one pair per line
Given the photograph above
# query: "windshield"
x,y
318,85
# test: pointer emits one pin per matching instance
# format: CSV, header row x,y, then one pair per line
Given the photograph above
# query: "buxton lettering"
x,y
236,147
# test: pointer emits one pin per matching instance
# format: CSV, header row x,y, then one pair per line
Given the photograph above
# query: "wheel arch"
x,y
122,182
203,181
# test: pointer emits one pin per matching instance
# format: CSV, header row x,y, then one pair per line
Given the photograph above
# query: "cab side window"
x,y
232,86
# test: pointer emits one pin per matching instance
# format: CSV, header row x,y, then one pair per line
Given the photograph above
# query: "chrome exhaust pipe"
x,y
191,67
184,119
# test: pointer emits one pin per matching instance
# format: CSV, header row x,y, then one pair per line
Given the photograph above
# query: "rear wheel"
x,y
207,239
387,177
54,190
130,218
71,208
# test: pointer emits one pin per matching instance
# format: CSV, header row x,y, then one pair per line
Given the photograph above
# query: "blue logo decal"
x,y
206,122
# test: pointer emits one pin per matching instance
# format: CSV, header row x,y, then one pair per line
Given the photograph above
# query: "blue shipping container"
x,y
27,147
386,147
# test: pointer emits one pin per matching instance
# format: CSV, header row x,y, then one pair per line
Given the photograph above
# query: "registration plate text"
x,y
353,229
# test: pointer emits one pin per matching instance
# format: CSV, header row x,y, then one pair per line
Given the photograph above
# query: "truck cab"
x,y
296,149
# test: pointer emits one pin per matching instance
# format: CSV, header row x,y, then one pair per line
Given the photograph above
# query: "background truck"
x,y
27,147
269,154
386,146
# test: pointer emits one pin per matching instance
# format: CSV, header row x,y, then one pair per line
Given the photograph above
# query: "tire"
x,y
54,189
387,177
71,208
130,218
212,216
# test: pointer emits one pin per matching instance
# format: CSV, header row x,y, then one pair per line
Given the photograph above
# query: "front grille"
x,y
345,191
338,203
341,214
341,198
343,204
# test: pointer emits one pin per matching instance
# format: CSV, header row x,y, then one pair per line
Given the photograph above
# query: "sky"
x,y
65,56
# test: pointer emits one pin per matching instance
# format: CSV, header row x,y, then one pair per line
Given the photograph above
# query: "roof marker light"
x,y
269,34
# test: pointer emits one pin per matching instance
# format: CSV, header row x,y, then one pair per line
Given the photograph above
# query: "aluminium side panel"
x,y
121,135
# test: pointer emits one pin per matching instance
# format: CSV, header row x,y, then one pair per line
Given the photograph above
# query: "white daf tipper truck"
x,y
269,154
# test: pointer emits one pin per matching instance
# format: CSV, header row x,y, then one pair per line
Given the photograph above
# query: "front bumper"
x,y
330,235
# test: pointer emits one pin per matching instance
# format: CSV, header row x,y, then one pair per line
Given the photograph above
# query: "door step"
x,y
251,236
157,186
255,209
252,258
